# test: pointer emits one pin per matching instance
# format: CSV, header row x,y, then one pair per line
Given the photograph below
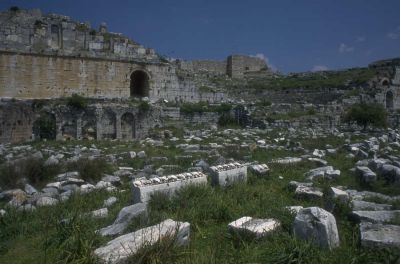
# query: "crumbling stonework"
x,y
102,120
32,32
239,65
235,66
16,121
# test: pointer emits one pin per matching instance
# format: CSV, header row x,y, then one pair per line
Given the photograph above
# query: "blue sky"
x,y
294,35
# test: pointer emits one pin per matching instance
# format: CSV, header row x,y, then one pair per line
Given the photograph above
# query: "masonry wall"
x,y
16,120
238,65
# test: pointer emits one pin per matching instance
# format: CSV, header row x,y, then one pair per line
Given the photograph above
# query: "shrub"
x,y
14,9
32,169
91,170
76,101
227,120
367,114
9,176
144,106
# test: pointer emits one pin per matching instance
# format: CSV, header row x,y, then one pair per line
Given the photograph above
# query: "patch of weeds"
x,y
90,170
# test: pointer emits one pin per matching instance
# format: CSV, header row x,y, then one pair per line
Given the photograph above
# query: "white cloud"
x,y
267,61
317,68
360,39
343,48
393,35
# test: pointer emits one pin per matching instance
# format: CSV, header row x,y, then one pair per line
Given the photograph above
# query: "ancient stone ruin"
x,y
104,141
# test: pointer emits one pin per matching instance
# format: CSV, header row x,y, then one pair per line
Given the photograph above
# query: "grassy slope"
x,y
39,237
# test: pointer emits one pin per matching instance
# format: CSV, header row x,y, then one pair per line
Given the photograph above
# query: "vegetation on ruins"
x,y
201,107
367,114
65,234
144,106
32,170
76,101
14,9
308,81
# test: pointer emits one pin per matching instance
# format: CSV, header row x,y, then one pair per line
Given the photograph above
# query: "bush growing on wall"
x,y
76,101
367,114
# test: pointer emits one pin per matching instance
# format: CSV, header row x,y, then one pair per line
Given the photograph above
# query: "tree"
x,y
367,114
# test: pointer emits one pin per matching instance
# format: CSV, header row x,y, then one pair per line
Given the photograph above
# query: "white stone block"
x,y
144,189
257,227
119,249
227,174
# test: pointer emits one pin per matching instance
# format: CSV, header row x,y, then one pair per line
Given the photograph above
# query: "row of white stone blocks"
x,y
222,175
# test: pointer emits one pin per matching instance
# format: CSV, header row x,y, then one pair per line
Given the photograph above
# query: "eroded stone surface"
x,y
316,225
254,226
119,249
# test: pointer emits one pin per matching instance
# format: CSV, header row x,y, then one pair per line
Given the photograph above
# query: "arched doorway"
x,y
139,84
385,82
89,128
108,125
127,126
389,100
45,126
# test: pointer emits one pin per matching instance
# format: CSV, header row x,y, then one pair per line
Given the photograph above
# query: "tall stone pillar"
x,y
99,128
118,126
79,127
59,124
59,135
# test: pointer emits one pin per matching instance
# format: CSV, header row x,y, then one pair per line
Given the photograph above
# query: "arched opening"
x,y
389,100
385,82
108,125
127,126
89,129
45,127
139,84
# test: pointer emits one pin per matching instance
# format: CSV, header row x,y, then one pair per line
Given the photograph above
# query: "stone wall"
x,y
52,34
16,120
28,76
238,65
204,66
20,121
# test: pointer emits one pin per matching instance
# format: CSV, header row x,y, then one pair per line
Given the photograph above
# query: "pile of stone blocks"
x,y
144,189
227,174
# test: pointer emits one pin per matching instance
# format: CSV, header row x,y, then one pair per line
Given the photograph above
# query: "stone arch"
x,y
127,126
89,126
385,82
69,128
389,100
45,127
139,84
108,125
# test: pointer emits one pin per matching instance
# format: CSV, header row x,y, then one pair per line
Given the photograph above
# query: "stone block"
x,y
317,225
255,227
227,174
260,169
120,248
378,235
144,189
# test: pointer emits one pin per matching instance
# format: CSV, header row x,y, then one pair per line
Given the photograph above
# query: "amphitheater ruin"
x,y
49,57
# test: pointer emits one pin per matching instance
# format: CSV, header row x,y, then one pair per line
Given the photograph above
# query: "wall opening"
x,y
385,82
139,84
89,126
389,100
108,125
45,127
127,126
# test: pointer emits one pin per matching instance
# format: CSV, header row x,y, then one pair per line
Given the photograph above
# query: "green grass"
x,y
41,237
